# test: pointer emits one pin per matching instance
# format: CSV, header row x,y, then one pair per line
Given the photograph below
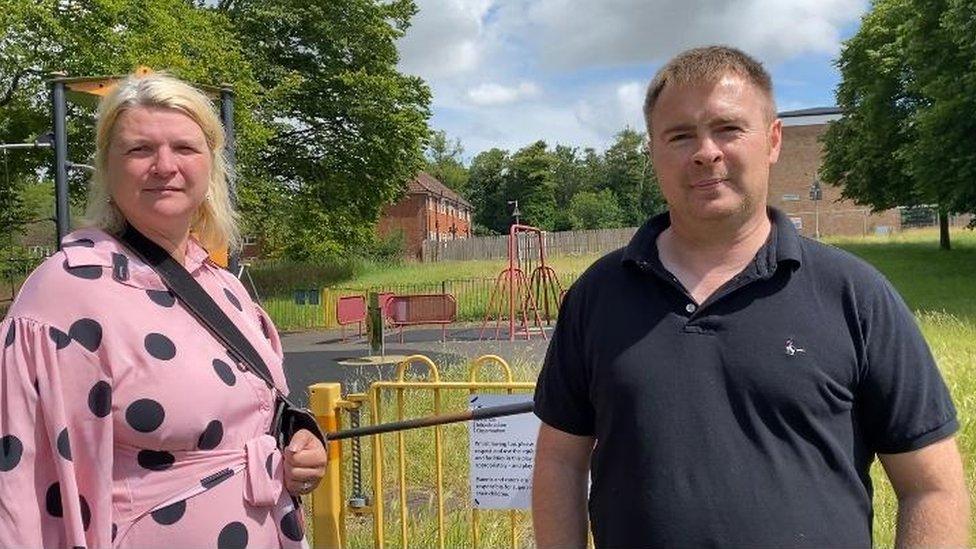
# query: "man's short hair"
x,y
705,65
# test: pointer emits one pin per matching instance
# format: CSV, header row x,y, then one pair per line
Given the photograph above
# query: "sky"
x,y
505,73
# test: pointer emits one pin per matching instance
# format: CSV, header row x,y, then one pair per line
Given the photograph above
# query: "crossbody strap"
x,y
199,303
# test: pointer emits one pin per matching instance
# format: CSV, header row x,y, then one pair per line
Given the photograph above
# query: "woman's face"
x,y
158,169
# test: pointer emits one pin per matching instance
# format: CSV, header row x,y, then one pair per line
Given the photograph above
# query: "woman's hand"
x,y
304,460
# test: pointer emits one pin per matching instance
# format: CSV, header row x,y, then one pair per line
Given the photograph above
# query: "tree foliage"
x,y
445,161
327,129
595,210
908,93
560,189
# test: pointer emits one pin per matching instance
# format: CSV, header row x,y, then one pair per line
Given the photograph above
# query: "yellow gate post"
x,y
328,513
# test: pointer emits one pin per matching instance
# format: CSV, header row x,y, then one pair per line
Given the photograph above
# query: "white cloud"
x,y
579,33
508,72
446,37
495,94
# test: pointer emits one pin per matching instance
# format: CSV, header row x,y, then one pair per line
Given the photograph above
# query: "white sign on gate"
x,y
501,453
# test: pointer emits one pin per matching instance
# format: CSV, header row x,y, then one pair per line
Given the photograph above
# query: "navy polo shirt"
x,y
751,420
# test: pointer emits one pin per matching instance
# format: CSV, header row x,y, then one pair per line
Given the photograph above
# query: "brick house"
x,y
792,177
429,211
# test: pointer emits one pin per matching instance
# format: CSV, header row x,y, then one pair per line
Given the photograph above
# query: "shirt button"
x,y
690,307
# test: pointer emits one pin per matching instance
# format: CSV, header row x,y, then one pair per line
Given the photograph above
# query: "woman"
x,y
123,421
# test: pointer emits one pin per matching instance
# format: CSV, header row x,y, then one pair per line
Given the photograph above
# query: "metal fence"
x,y
472,295
556,243
407,489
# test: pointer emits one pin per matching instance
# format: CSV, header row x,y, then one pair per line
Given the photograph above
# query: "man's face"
x,y
712,146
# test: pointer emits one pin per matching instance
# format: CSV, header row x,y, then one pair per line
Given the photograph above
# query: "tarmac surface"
x,y
321,356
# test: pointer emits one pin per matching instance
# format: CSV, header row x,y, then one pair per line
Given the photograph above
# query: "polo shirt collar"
x,y
782,246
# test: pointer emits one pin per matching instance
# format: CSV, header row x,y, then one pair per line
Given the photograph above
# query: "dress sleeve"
x,y
56,447
904,403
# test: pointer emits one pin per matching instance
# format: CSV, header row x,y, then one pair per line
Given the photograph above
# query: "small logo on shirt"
x,y
792,349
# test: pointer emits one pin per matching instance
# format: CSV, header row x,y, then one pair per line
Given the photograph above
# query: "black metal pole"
x,y
61,206
230,151
467,415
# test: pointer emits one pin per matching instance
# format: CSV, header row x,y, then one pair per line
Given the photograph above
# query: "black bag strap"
x,y
199,302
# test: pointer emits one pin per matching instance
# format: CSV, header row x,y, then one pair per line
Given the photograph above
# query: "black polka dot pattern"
x,y
160,347
269,464
224,372
88,272
163,298
169,514
100,399
86,332
115,530
64,445
52,500
290,526
80,243
60,339
155,460
233,299
210,481
85,512
11,335
145,415
11,450
211,436
232,536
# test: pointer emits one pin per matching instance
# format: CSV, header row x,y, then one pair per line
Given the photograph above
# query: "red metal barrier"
x,y
415,309
351,309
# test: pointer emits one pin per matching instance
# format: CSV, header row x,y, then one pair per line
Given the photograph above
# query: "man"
x,y
726,382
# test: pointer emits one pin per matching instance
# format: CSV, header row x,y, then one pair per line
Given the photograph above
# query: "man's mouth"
x,y
709,183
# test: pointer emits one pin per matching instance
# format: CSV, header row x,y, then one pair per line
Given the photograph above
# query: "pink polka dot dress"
x,y
124,423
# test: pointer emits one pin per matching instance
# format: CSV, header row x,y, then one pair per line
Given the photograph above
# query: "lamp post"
x,y
816,195
515,211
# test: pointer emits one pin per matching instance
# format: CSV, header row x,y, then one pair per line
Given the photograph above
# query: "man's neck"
x,y
705,256
174,242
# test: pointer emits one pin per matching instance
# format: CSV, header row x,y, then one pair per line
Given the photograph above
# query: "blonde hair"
x,y
706,65
214,224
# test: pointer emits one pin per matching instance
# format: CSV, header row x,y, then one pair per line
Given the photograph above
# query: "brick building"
x,y
793,176
429,211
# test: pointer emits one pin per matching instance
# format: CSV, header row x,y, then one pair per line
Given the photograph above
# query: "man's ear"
x,y
775,140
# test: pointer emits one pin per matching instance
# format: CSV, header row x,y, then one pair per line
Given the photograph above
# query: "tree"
x,y
595,210
631,177
908,91
106,37
327,130
444,161
348,128
486,190
529,180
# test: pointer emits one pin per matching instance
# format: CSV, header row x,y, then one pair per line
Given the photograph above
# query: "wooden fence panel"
x,y
557,243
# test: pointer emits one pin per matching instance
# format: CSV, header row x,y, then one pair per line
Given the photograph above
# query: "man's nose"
x,y
708,152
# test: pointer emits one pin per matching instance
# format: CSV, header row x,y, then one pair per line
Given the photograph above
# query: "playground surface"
x,y
322,356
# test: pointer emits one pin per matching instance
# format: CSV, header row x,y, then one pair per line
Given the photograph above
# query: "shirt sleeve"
x,y
904,403
562,397
56,448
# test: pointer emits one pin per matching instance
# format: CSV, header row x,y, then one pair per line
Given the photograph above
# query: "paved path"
x,y
312,357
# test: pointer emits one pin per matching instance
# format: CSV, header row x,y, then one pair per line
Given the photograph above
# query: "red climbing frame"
x,y
523,293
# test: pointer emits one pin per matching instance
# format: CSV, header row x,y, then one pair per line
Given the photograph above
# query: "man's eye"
x,y
731,128
678,137
137,149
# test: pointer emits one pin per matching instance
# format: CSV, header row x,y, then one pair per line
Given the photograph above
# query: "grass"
x,y
939,286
